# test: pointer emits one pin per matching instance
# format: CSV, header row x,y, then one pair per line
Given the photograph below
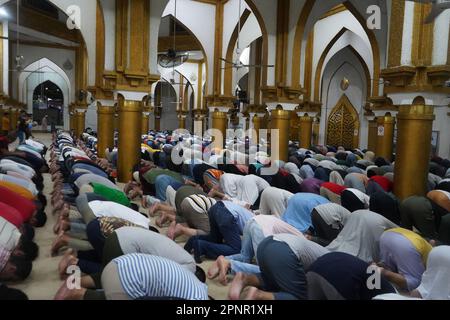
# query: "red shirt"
x,y
384,182
25,207
333,187
11,215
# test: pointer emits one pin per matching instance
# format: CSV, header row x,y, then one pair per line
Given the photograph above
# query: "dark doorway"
x,y
48,100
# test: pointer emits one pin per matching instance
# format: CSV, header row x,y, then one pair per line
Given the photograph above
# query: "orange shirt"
x,y
18,189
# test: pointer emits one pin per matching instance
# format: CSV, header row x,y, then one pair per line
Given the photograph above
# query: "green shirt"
x,y
151,175
109,194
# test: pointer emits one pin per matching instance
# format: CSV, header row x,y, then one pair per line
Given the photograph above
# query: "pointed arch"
x,y
343,124
38,65
301,34
228,74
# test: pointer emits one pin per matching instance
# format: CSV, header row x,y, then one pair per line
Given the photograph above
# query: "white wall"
x,y
57,56
268,9
5,58
188,13
295,9
344,64
326,29
109,15
408,25
442,125
440,42
250,32
156,11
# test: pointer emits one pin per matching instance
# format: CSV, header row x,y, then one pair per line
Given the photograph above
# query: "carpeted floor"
x,y
44,280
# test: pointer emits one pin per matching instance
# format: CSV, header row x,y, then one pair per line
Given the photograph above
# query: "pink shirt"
x,y
271,225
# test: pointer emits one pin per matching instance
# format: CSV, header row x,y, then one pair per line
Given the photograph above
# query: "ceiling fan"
x,y
172,58
238,63
438,7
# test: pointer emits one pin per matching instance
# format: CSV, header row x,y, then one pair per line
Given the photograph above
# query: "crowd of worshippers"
x,y
319,227
22,208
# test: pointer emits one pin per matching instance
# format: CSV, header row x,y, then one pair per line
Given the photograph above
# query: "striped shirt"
x,y
144,275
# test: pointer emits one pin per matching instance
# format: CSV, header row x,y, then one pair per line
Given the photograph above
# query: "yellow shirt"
x,y
18,189
422,246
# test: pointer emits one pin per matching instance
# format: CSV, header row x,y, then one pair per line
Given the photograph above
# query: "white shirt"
x,y
112,209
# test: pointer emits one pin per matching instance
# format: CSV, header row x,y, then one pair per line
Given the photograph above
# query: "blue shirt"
x,y
241,214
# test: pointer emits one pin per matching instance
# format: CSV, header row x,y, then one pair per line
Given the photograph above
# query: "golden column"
x,y
415,125
116,120
280,120
105,124
385,136
158,113
373,134
12,119
1,118
130,124
181,120
80,120
258,125
219,122
305,135
145,122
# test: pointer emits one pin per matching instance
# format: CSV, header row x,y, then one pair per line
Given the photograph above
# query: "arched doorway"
x,y
48,100
343,125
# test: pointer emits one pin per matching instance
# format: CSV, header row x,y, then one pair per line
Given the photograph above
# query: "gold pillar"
x,y
80,120
373,133
145,122
385,136
257,125
413,149
219,122
12,119
316,131
1,118
130,124
280,120
181,121
305,135
72,120
116,121
105,130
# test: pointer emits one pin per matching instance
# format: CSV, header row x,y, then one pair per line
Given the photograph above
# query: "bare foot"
x,y
64,293
65,262
171,230
59,242
224,266
152,210
175,230
213,271
252,293
236,286
144,202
